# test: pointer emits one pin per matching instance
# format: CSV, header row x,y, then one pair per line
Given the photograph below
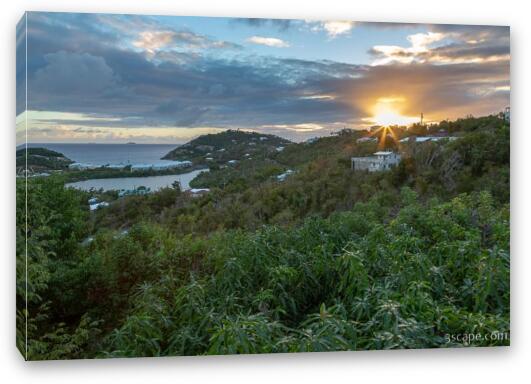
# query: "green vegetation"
x,y
41,159
328,259
228,145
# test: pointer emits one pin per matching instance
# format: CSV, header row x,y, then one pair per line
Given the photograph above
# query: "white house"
x,y
380,161
507,114
83,166
96,206
424,139
284,175
197,192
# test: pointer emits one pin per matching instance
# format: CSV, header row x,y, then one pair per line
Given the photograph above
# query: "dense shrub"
x,y
329,259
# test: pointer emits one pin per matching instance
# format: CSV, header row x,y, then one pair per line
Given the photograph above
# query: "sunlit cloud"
x,y
47,127
155,40
152,41
268,41
333,28
65,127
338,27
305,127
318,97
420,43
449,46
114,77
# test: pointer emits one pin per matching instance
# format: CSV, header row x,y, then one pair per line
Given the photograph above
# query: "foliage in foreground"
x,y
329,259
400,275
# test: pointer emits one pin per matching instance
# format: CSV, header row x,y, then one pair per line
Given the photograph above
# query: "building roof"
x,y
199,190
383,153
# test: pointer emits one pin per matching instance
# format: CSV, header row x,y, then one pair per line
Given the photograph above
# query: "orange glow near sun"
x,y
386,112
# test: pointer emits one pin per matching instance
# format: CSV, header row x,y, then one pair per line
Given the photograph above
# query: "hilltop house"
x,y
95,203
425,139
507,114
381,161
284,175
197,192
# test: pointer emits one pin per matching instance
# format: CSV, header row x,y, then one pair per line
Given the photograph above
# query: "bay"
x,y
129,183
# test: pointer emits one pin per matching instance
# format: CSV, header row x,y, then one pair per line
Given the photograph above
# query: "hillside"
x,y
223,147
326,258
41,160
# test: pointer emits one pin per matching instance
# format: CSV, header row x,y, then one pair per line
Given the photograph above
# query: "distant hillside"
x,y
41,159
229,145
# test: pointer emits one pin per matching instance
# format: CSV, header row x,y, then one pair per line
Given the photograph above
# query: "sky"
x,y
109,78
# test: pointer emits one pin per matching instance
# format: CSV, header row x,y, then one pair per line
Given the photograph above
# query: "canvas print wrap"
x,y
200,185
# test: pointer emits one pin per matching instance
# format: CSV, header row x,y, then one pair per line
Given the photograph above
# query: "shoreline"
x,y
114,173
134,182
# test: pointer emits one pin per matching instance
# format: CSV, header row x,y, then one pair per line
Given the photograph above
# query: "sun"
x,y
388,118
386,112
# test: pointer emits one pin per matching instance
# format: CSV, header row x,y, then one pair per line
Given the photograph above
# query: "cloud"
x,y
180,88
74,73
421,41
336,28
440,91
333,28
21,66
448,44
268,41
152,41
280,24
420,45
303,127
174,57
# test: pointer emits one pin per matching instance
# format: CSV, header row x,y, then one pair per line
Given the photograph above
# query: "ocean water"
x,y
112,154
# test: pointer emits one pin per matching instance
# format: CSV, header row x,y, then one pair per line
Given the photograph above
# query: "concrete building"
x,y
507,114
380,161
425,139
284,175
99,205
197,192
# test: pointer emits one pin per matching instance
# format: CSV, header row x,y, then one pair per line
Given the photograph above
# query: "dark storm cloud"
x,y
76,74
79,63
206,91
